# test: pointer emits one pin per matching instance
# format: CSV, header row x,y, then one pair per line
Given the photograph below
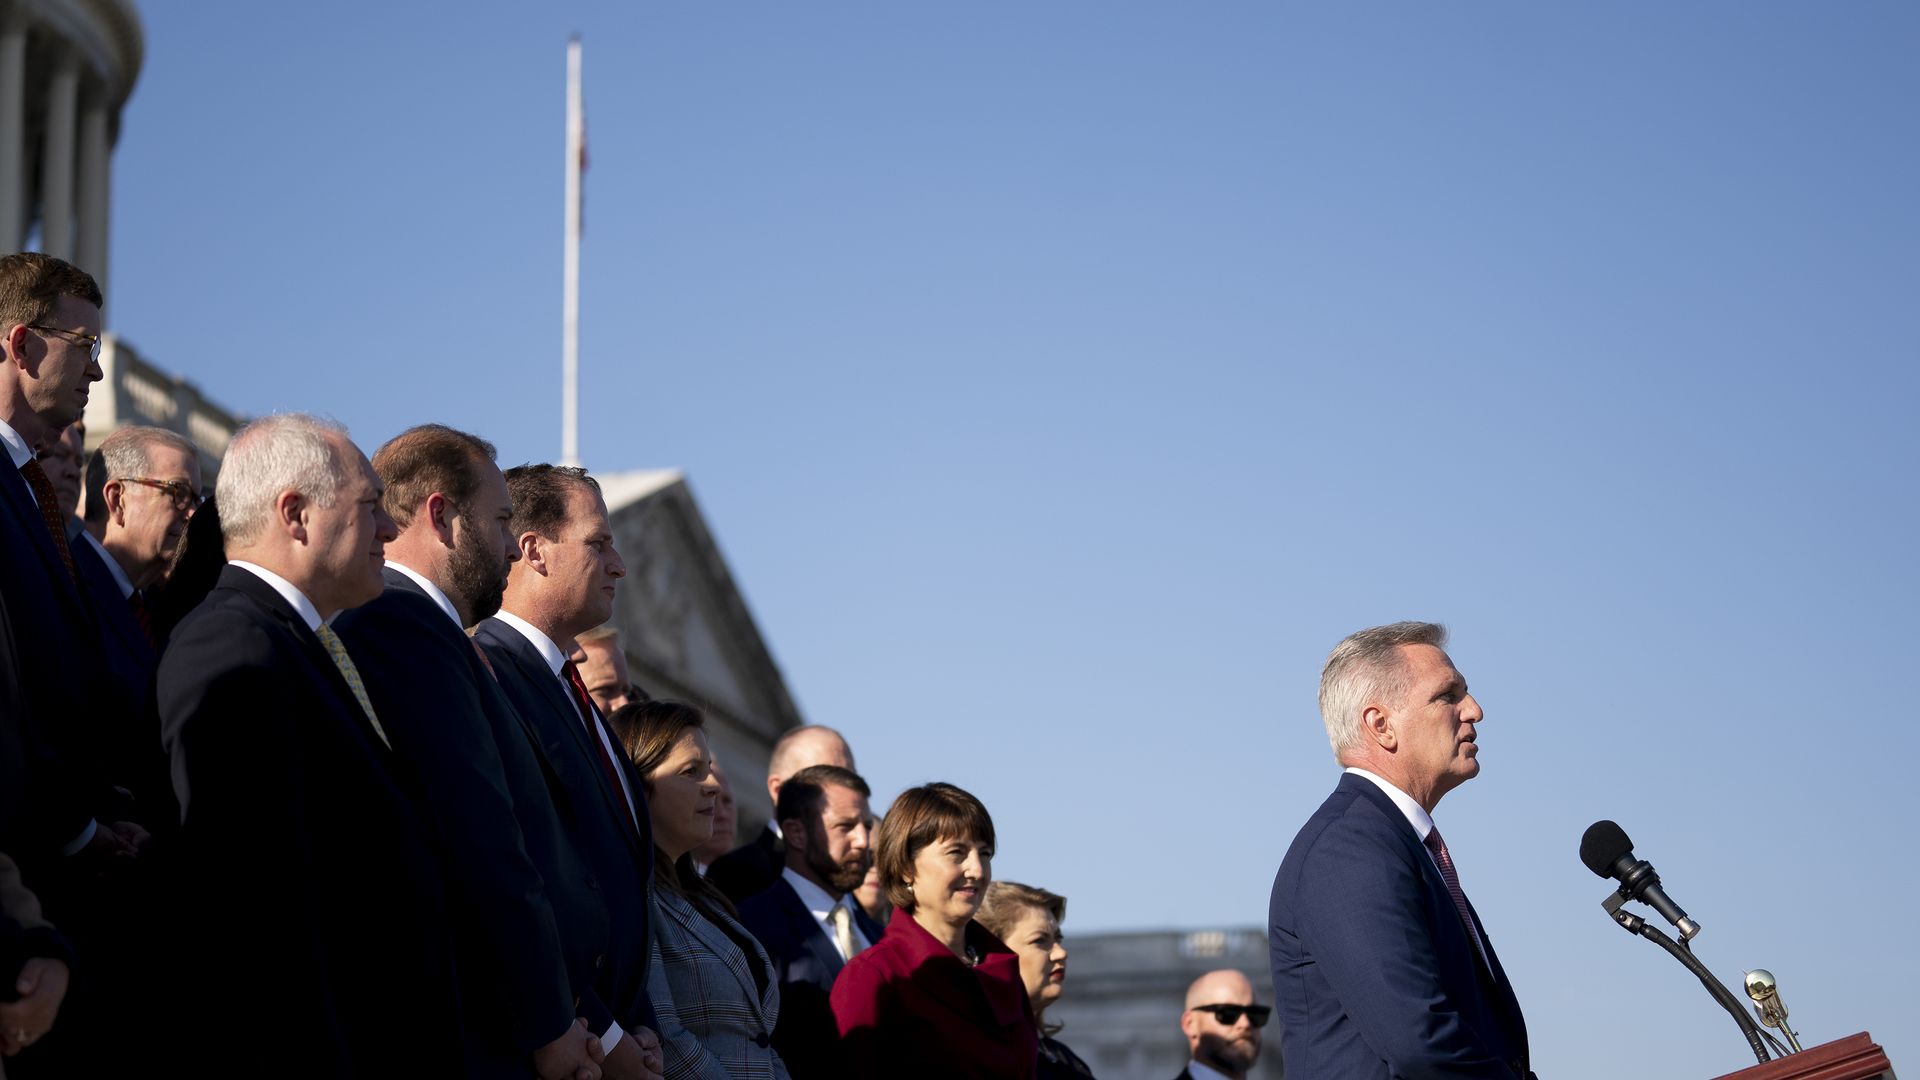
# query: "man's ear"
x,y
15,341
290,514
114,494
1377,726
791,830
533,552
440,513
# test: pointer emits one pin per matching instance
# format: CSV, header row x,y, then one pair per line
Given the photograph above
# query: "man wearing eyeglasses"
x,y
1222,1025
67,832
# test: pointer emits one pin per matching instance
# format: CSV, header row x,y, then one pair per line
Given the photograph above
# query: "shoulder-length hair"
x,y
647,731
1006,903
918,817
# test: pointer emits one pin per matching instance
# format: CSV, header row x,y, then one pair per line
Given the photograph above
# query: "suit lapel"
x,y
269,600
806,928
721,945
28,522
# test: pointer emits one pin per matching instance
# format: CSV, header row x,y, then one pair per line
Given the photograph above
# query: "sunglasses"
x,y
1229,1015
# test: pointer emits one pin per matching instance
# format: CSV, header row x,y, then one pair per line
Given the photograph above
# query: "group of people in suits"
x,y
324,756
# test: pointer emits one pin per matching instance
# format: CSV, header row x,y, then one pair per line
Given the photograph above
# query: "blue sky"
x,y
1063,380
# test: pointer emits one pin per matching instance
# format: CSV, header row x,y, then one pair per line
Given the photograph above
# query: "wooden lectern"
x,y
1856,1057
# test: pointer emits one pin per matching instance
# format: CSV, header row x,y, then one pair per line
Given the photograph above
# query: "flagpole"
x,y
570,303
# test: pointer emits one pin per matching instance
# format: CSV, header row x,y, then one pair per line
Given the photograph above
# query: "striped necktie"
x,y
337,649
1452,878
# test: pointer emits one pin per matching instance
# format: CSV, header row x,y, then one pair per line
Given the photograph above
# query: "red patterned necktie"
x,y
1452,878
42,489
589,715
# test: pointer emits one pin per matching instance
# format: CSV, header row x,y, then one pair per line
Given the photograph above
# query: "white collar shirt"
x,y
556,660
433,591
1202,1072
820,905
287,590
17,448
120,577
1422,823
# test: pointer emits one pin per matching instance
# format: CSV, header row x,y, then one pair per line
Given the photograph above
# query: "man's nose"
x,y
1471,711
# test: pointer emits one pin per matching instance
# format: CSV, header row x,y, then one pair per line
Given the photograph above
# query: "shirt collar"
x,y
813,896
1202,1072
548,650
1416,814
17,447
287,590
120,577
433,591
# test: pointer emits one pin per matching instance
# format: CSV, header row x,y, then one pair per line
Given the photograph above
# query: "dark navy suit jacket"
x,y
60,676
619,860
1374,973
530,924
805,963
312,903
128,727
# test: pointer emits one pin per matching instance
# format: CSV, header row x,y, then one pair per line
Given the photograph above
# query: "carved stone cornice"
x,y
105,35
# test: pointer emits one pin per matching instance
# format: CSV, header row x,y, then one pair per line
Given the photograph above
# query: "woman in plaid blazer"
x,y
712,988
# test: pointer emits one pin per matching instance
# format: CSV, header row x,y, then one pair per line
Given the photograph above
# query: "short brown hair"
x,y
920,816
1006,901
539,495
422,460
31,283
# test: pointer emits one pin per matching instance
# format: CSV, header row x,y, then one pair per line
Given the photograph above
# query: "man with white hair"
x,y
752,868
311,891
1381,968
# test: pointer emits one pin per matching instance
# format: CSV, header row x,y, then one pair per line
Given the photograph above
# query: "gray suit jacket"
x,y
715,1022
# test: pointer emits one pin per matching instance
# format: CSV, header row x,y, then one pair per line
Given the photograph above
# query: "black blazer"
x,y
59,675
805,962
619,860
750,868
529,923
311,899
130,733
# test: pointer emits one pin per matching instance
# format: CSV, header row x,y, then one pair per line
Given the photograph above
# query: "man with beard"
x,y
527,921
807,918
1222,1025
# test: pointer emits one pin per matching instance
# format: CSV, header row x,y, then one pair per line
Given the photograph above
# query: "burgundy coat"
x,y
909,1007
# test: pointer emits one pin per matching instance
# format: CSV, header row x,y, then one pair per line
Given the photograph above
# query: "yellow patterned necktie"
x,y
842,918
338,650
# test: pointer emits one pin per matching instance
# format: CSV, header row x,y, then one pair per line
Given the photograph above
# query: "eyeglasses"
x,y
91,341
182,493
1229,1015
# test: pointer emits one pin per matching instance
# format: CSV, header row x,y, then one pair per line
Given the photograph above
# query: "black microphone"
x,y
1609,854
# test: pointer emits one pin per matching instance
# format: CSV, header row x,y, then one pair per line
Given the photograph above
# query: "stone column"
x,y
13,129
56,166
96,164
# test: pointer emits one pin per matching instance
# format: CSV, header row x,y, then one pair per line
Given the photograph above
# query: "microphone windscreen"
x,y
1603,844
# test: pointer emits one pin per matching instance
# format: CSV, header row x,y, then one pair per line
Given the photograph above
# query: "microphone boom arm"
x,y
1634,924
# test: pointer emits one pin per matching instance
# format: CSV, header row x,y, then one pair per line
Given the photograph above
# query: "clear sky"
x,y
1062,380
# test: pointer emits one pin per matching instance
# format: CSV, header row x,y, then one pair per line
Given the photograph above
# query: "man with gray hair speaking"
x,y
310,891
1381,968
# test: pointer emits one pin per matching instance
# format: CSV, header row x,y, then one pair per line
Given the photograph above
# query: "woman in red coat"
x,y
938,997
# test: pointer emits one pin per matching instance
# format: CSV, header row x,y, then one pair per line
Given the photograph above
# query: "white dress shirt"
x,y
433,591
288,591
120,577
1422,823
1202,1072
820,905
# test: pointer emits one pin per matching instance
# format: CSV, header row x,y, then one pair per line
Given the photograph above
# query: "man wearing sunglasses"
x,y
1381,967
1222,1025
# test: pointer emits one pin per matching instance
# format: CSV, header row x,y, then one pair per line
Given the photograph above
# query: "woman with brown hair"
x,y
939,997
1028,920
713,990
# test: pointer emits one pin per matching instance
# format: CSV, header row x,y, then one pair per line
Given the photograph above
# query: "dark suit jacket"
x,y
749,868
529,921
909,1007
619,861
130,732
805,963
312,903
1374,973
60,676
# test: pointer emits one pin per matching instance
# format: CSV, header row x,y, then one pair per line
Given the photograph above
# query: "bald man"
x,y
1222,1025
753,867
